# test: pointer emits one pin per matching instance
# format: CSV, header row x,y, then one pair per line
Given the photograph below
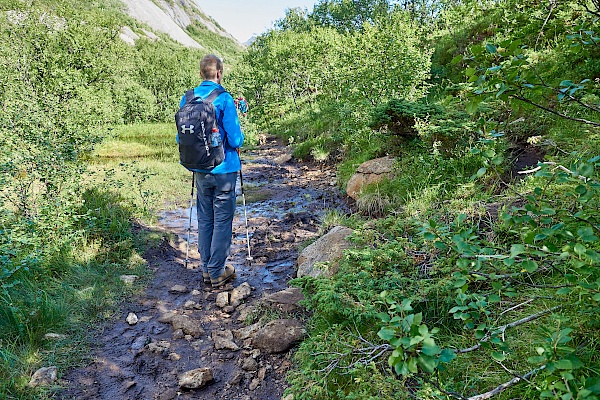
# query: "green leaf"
x,y
401,368
431,350
440,245
458,283
529,265
384,317
456,59
580,249
536,359
481,172
586,170
447,355
426,362
517,249
566,83
386,333
498,356
428,236
491,48
473,105
563,364
412,365
494,298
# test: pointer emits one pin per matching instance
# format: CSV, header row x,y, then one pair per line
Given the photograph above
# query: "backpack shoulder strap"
x,y
214,94
189,96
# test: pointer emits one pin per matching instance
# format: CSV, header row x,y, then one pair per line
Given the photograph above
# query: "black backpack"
x,y
200,144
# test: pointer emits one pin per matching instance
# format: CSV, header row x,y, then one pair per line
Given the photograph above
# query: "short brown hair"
x,y
209,65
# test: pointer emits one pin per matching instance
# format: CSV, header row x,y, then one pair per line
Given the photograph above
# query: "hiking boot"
x,y
227,275
206,278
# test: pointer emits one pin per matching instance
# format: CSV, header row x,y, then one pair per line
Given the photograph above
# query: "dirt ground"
x,y
144,360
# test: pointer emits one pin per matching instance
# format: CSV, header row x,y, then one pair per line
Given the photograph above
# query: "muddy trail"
x,y
180,324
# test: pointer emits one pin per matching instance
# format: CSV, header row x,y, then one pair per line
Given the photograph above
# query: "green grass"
x,y
76,284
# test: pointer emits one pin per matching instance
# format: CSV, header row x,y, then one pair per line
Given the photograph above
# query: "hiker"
x,y
215,199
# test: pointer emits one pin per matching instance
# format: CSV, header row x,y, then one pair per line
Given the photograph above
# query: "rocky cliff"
x,y
171,17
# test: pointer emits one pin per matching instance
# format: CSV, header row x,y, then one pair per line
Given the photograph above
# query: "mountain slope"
x,y
184,21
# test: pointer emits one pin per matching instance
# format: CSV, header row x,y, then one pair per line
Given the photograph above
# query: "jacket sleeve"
x,y
231,123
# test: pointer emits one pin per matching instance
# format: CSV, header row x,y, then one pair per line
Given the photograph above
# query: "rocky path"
x,y
184,340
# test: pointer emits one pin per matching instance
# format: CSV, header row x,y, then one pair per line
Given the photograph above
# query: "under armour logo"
x,y
189,129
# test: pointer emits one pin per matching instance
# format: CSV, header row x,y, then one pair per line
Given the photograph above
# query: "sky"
x,y
244,18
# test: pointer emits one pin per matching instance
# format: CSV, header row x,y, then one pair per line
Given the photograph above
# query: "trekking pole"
x,y
249,258
187,250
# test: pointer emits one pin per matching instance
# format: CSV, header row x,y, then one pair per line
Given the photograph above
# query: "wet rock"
x,y
328,249
255,353
245,333
178,289
128,279
196,378
288,237
228,310
254,384
223,340
239,294
190,304
262,373
170,394
222,300
129,384
132,319
282,159
160,347
145,318
196,292
237,378
167,316
246,313
178,334
43,377
286,300
139,342
369,172
188,325
249,364
279,335
54,336
174,357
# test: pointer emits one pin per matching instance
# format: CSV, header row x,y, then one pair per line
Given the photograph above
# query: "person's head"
x,y
211,68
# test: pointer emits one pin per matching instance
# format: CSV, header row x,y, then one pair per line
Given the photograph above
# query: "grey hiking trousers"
x,y
215,203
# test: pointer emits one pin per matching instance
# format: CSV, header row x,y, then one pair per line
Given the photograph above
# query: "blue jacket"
x,y
229,126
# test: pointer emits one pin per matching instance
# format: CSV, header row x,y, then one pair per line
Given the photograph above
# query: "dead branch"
x,y
503,328
506,385
517,306
565,169
582,120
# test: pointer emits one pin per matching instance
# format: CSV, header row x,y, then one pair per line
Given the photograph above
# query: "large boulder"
x,y
278,335
328,249
369,172
285,300
43,377
196,378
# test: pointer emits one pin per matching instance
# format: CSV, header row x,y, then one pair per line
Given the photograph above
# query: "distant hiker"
x,y
242,105
215,200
